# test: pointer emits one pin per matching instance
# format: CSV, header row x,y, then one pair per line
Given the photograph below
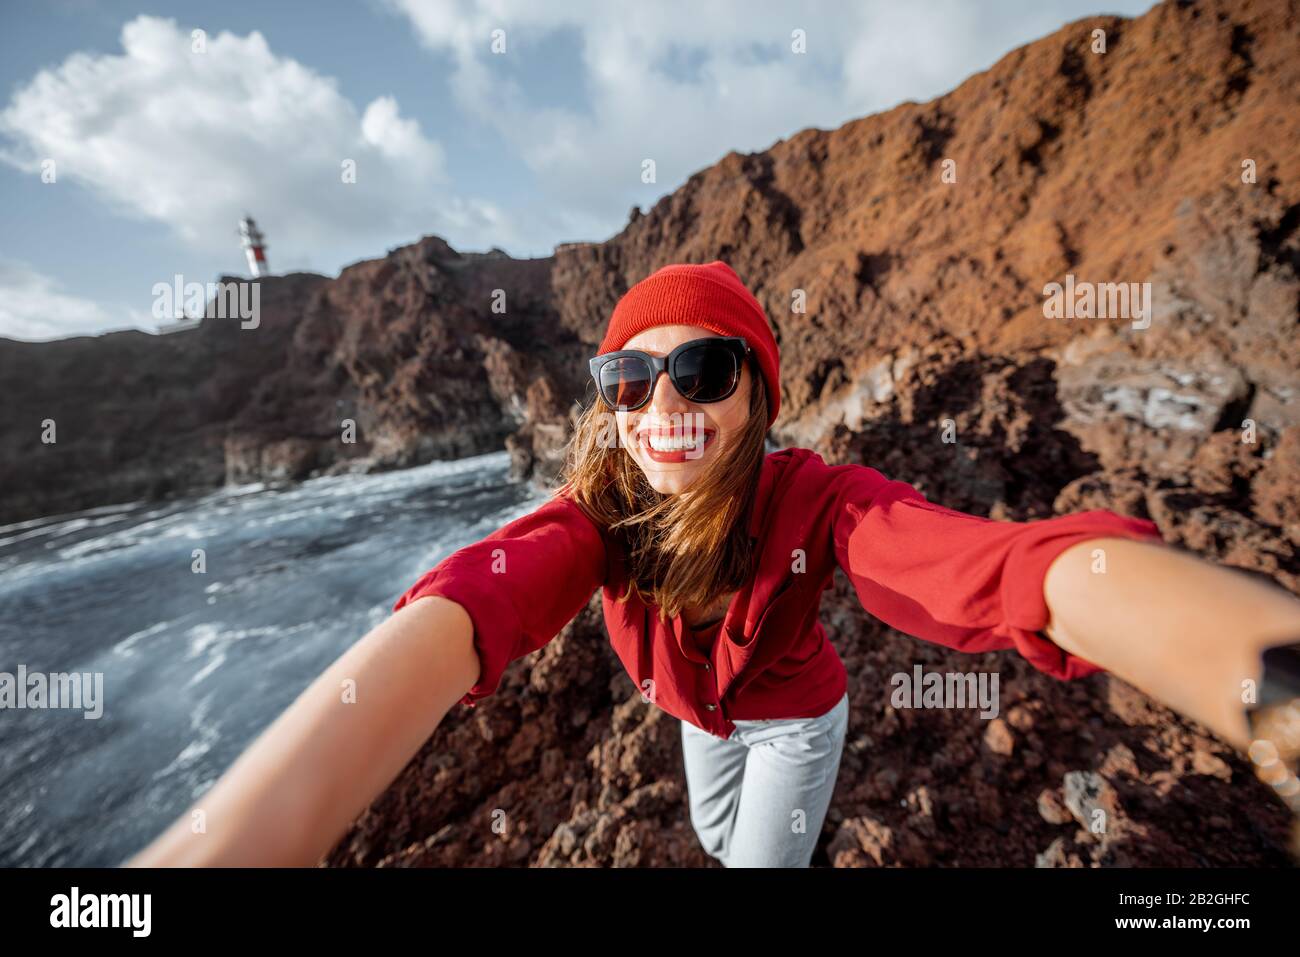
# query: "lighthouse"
x,y
250,238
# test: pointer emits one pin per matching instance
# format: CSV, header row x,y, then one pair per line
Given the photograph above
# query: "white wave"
x,y
215,662
208,734
63,516
57,530
126,647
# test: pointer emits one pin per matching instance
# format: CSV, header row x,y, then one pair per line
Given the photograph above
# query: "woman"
x,y
712,557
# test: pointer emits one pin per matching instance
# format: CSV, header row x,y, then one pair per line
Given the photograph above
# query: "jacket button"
x,y
710,707
706,666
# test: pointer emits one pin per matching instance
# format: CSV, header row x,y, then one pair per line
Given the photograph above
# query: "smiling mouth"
x,y
674,443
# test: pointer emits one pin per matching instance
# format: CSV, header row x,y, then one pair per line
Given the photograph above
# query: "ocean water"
x,y
194,665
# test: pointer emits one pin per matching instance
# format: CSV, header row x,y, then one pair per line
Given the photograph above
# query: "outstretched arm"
x,y
1074,594
453,632
1183,630
290,796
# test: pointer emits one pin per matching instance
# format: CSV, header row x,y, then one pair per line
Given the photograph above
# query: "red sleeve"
x,y
520,585
970,583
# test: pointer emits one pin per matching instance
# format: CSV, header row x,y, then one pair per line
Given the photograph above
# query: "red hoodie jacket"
x,y
970,583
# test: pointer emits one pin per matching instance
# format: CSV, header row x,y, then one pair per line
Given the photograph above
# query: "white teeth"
x,y
664,443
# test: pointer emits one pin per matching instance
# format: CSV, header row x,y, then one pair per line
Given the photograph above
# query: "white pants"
x,y
758,798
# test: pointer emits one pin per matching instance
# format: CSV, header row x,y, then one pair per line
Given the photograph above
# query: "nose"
x,y
666,399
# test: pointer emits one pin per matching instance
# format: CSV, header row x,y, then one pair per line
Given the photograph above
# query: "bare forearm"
x,y
1186,631
287,799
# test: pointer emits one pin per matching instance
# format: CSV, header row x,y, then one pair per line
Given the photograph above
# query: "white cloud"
x,y
33,308
683,82
195,139
398,139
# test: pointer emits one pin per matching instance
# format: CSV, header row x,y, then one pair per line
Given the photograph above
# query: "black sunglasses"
x,y
702,370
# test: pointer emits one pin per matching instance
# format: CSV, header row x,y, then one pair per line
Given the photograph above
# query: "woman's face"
x,y
670,421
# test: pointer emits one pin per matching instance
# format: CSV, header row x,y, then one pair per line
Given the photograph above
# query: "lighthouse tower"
x,y
250,238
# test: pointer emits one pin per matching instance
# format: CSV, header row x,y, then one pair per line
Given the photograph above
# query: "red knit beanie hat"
x,y
710,296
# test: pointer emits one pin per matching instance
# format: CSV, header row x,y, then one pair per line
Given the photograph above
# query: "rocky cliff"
x,y
384,367
925,310
903,259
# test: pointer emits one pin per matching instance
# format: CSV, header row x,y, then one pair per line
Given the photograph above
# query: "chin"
x,y
669,482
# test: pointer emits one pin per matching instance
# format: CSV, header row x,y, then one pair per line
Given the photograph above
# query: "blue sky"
x,y
160,143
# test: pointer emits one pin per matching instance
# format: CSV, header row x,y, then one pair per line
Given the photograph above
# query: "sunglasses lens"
x,y
625,382
706,373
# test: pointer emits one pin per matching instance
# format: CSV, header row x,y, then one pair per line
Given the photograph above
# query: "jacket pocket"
x,y
743,641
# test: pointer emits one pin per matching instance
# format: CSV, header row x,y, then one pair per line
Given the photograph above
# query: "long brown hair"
x,y
685,549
